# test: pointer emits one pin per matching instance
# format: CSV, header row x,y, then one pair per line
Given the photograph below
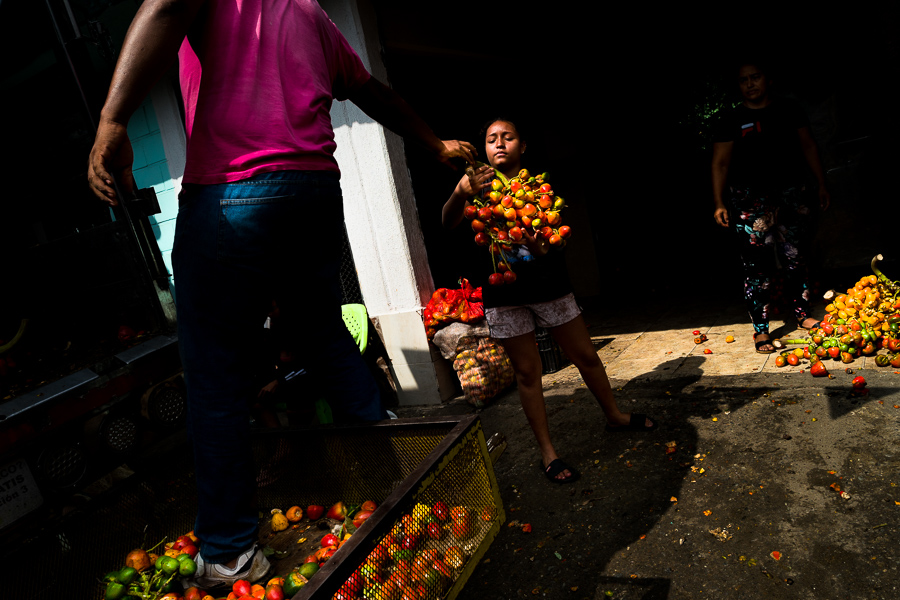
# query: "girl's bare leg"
x,y
575,341
526,362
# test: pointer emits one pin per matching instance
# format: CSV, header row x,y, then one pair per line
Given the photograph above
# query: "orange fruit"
x,y
294,514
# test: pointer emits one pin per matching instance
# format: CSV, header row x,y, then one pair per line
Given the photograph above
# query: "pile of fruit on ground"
x,y
863,322
418,560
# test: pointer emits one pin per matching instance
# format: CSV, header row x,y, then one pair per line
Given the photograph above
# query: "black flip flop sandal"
x,y
556,467
815,325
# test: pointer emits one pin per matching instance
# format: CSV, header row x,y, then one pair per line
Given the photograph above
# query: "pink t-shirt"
x,y
258,86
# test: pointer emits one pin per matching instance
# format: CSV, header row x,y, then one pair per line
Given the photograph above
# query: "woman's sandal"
x,y
760,343
636,423
556,467
815,325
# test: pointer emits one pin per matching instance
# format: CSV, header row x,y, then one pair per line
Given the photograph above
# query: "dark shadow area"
x,y
614,115
587,534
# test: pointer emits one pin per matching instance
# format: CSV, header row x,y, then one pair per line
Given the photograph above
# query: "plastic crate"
x,y
398,464
552,357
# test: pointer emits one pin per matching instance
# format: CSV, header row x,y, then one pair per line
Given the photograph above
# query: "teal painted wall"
x,y
151,169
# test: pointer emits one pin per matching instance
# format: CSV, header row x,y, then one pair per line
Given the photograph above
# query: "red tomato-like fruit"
x,y
780,360
440,511
834,352
274,592
859,382
495,279
360,517
330,540
818,369
482,239
793,359
409,542
565,231
477,225
470,212
193,593
509,277
241,587
181,542
434,531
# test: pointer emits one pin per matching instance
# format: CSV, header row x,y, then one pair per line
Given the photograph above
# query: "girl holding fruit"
x,y
541,295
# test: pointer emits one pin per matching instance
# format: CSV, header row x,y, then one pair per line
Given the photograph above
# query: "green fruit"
x,y
169,565
187,568
114,591
292,583
126,575
308,569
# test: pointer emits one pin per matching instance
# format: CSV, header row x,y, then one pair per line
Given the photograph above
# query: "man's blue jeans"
x,y
238,247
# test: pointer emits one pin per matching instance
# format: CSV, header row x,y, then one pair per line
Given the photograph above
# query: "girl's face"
x,y
503,146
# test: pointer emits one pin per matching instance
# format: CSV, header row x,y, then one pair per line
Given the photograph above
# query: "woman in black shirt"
x,y
763,153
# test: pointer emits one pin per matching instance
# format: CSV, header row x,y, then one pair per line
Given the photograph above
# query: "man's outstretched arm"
x,y
387,107
151,46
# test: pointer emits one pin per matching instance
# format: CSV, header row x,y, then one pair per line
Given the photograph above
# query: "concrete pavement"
x,y
760,482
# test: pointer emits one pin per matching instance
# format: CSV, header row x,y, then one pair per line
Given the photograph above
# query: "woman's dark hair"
x,y
505,119
759,62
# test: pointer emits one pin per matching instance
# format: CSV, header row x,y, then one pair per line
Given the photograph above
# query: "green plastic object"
x,y
356,318
323,412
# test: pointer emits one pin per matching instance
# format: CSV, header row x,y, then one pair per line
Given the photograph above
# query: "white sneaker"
x,y
251,565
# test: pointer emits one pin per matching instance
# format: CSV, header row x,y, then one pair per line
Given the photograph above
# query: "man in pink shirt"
x,y
258,78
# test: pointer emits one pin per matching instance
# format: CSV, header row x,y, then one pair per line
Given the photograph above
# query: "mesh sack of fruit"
x,y
447,339
483,369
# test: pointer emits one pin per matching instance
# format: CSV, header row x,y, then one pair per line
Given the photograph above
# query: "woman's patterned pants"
x,y
767,225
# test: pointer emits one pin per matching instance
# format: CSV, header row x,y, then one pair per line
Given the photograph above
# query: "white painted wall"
x,y
382,221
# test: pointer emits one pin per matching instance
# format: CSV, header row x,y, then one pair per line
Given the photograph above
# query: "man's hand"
x,y
721,216
454,149
824,198
111,157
